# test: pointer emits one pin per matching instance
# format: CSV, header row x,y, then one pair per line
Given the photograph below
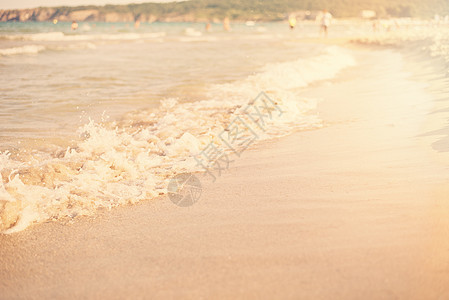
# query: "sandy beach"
x,y
355,210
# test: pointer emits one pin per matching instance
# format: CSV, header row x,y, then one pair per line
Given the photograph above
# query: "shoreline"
x,y
355,209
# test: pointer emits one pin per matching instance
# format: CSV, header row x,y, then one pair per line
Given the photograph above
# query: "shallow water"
x,y
106,115
54,79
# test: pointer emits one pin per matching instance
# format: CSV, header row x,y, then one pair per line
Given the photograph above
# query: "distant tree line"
x,y
273,9
265,10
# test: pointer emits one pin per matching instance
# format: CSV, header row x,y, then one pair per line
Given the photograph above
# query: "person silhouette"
x,y
292,22
326,18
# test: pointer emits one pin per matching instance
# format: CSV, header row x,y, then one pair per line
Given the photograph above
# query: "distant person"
x,y
226,25
137,24
376,25
292,22
326,18
74,25
208,27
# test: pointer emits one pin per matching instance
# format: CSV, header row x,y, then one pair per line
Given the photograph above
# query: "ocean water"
x,y
424,45
106,115
56,79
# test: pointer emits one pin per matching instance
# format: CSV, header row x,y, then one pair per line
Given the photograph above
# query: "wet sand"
x,y
357,209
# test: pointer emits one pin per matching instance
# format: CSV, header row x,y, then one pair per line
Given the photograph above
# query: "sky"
x,y
8,4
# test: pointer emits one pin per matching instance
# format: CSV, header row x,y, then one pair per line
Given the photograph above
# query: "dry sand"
x,y
356,210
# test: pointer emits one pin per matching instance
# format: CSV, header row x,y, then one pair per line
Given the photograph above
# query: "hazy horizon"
x,y
20,4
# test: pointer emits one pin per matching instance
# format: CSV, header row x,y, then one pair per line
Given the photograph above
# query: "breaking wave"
x,y
35,49
132,159
28,49
61,36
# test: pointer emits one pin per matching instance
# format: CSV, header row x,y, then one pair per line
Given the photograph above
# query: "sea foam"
x,y
28,49
132,159
61,36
